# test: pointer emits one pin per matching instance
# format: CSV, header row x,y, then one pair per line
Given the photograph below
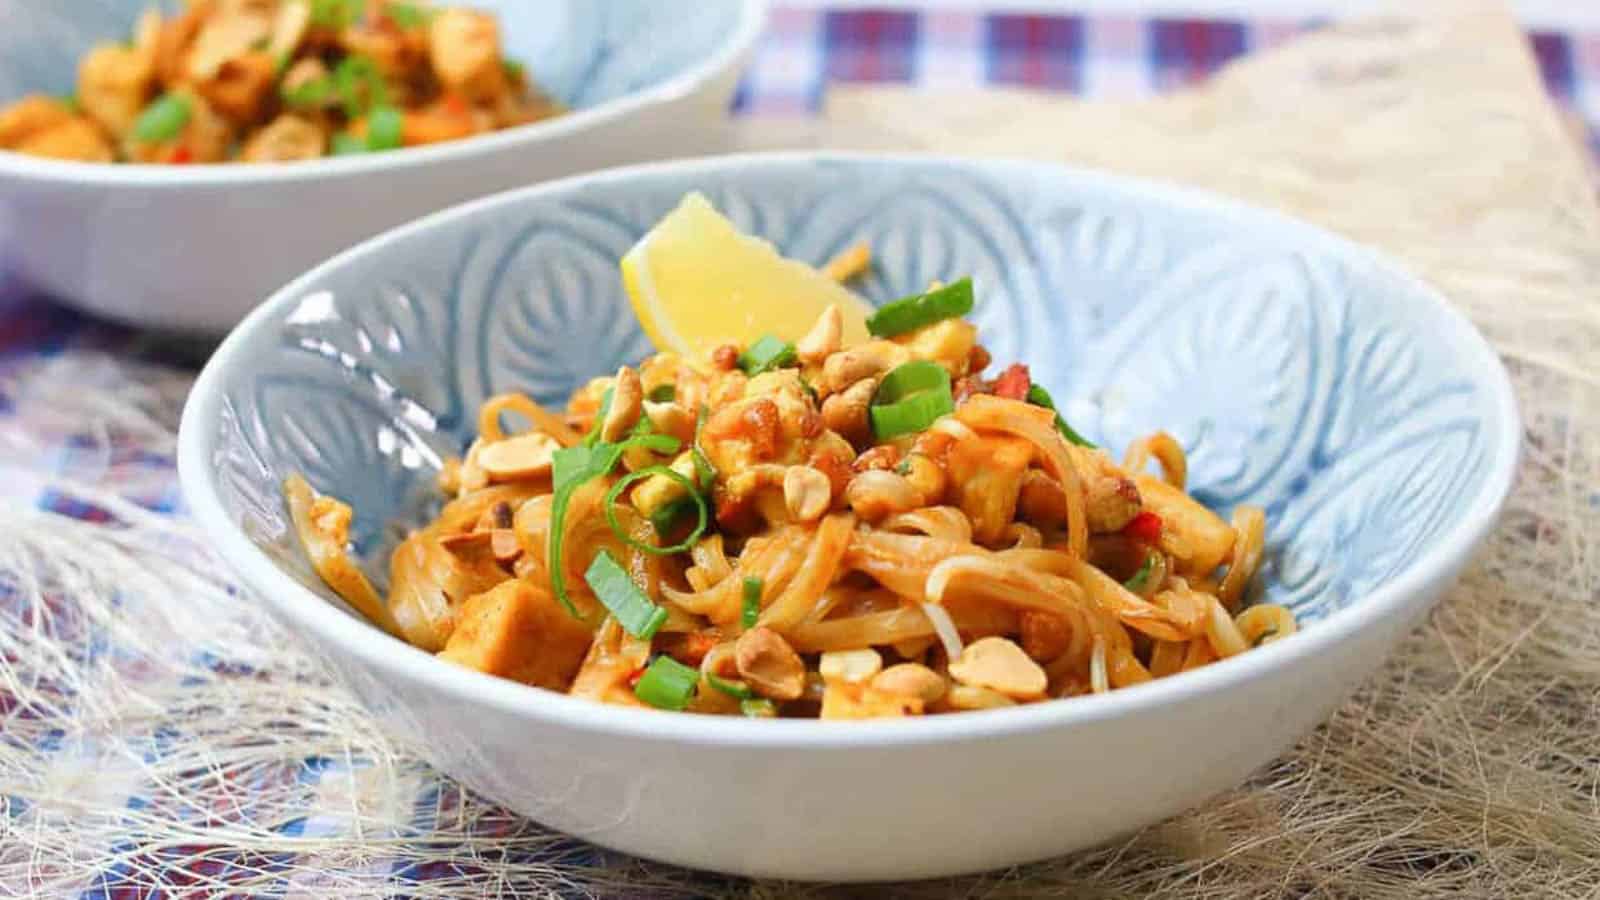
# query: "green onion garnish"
x,y
70,101
663,393
163,119
617,592
911,378
571,468
750,602
360,85
693,495
911,397
667,684
312,92
513,69
383,128
408,15
758,708
766,354
1038,396
347,145
731,688
919,310
1137,580
599,419
704,471
334,13
667,515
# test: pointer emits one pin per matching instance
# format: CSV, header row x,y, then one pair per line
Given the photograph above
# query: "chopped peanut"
x,y
850,666
807,493
876,495
527,455
964,696
769,664
1000,665
845,412
912,680
824,337
627,400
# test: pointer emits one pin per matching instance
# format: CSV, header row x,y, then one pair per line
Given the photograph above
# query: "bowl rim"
x,y
398,661
751,24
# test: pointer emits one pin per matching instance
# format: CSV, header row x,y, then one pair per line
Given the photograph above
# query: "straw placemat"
x,y
162,734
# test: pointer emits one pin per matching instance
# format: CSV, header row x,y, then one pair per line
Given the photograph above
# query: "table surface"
x,y
809,46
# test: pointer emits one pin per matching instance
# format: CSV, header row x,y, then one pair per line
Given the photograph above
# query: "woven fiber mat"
x,y
162,737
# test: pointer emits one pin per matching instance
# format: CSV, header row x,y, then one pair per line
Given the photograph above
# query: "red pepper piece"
x,y
1146,526
633,679
182,155
1013,383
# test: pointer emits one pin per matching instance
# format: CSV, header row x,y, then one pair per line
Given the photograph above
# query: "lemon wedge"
x,y
697,283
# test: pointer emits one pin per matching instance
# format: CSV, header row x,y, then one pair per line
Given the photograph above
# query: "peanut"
x,y
999,665
876,495
823,339
627,399
807,493
769,664
912,680
524,456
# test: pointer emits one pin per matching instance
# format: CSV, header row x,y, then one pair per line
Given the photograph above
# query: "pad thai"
x,y
278,81
829,527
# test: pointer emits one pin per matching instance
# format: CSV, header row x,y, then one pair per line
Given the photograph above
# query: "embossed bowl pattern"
x,y
1302,374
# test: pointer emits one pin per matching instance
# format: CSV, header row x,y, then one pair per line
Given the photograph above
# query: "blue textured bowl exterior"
x,y
581,51
1301,374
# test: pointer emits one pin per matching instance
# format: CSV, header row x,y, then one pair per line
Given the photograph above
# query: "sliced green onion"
x,y
663,393
704,472
655,443
766,354
513,69
408,15
617,592
1038,396
360,85
911,398
919,310
610,506
570,469
312,92
731,688
347,145
70,101
1137,580
335,13
809,389
667,514
911,415
750,602
903,467
758,708
667,684
162,120
384,128
599,419
911,378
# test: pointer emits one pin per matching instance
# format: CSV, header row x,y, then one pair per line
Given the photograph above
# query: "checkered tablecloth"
x,y
45,437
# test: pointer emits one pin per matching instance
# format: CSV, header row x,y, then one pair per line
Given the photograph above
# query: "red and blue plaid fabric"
x,y
806,49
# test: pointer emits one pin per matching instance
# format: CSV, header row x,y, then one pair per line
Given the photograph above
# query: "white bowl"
x,y
194,248
1303,373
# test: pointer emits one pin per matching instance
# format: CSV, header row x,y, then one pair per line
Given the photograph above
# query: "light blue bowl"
x,y
196,247
1302,373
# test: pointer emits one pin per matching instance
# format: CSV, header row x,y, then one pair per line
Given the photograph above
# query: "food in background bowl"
x,y
848,523
281,80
